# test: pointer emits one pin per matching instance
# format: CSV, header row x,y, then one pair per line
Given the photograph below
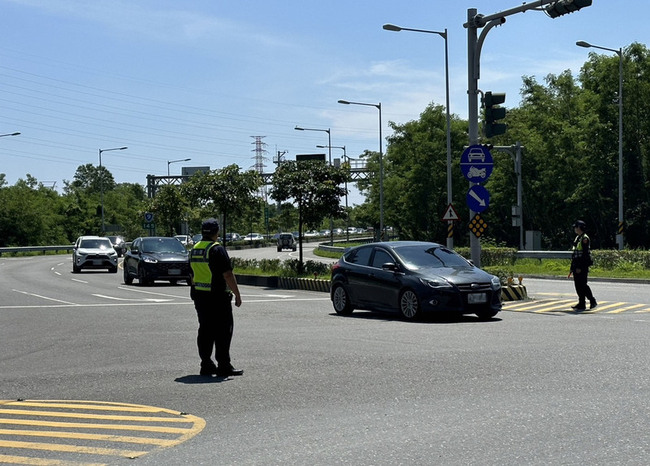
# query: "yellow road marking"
x,y
108,438
64,440
623,309
28,460
71,448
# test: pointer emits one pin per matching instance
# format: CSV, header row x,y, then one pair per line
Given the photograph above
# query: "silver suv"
x,y
94,252
286,241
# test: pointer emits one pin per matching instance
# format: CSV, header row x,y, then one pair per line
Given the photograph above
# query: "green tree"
x,y
169,207
316,188
227,191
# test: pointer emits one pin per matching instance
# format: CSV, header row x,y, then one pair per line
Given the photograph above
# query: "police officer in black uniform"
x,y
580,263
213,287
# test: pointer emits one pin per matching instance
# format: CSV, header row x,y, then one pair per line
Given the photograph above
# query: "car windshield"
x,y
162,245
416,257
95,244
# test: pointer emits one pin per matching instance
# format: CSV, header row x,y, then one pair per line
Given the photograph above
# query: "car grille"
x,y
474,287
166,266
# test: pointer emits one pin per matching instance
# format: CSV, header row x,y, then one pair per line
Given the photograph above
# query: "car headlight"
x,y
149,260
496,282
437,284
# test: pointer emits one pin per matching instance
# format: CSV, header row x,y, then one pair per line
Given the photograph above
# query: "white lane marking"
x,y
115,298
78,281
136,290
44,297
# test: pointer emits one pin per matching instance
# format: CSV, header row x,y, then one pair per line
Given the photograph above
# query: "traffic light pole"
x,y
475,21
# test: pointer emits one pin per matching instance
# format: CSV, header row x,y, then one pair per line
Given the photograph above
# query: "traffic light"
x,y
492,114
563,7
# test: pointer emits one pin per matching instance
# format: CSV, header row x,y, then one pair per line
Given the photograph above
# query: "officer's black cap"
x,y
210,226
580,224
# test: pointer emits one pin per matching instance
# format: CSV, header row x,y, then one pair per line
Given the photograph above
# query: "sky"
x,y
199,79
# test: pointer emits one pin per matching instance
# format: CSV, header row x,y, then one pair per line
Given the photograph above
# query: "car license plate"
x,y
97,262
174,271
476,298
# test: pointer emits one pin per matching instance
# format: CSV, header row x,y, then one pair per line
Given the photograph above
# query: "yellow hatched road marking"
x,y
623,309
72,448
93,416
603,306
83,425
28,460
64,439
109,438
551,305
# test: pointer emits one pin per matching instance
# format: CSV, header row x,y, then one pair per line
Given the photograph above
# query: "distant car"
x,y
94,252
338,231
186,240
118,244
412,278
156,258
311,234
230,237
286,241
197,238
253,238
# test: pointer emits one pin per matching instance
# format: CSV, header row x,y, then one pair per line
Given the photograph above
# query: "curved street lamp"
x,y
9,134
169,162
619,52
444,35
381,164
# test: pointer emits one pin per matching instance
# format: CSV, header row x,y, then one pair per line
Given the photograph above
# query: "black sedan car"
x,y
412,278
156,258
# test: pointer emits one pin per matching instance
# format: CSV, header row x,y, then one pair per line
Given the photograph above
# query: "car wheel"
x,y
409,305
128,279
142,279
486,315
341,300
75,269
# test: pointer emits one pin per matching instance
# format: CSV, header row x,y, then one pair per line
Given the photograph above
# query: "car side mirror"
x,y
390,267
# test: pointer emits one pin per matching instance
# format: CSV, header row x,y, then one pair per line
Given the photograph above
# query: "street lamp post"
x,y
10,134
619,52
347,214
329,145
169,162
381,163
101,182
444,35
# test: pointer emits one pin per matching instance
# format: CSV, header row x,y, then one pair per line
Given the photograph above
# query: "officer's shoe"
x,y
209,370
579,307
592,304
228,371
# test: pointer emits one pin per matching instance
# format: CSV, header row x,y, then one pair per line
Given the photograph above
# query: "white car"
x,y
186,240
94,252
253,237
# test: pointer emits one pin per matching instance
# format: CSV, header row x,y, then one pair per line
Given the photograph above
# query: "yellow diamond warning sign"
x,y
477,226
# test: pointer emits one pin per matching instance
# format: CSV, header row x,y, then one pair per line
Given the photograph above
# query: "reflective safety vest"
x,y
201,266
577,245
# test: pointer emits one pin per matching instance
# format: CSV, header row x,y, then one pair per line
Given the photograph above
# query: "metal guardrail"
x,y
42,249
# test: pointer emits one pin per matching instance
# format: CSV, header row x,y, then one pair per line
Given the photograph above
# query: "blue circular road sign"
x,y
476,163
478,198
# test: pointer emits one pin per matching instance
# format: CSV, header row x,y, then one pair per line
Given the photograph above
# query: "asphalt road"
x,y
525,388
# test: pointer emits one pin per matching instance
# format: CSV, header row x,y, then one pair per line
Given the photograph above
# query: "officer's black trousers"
x,y
215,328
582,289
